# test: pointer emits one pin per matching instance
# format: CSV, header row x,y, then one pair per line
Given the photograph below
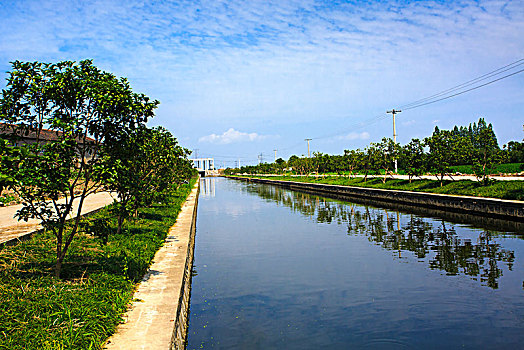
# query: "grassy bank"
x,y
513,190
82,309
508,168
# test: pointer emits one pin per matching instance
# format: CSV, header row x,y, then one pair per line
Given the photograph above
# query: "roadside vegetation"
x,y
445,155
83,308
68,130
511,190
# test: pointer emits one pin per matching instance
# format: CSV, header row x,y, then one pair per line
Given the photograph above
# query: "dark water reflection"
x,y
277,269
434,241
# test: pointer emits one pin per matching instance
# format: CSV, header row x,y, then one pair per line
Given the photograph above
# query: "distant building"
x,y
19,135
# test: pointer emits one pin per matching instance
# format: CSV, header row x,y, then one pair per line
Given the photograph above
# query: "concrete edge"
x,y
157,317
492,207
179,336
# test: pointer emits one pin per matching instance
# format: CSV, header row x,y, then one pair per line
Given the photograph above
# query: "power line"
x,y
440,96
437,97
469,82
463,92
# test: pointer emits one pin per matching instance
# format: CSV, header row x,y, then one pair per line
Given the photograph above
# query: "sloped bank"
x,y
157,318
489,207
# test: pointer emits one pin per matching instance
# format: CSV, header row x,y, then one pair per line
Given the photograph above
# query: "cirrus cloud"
x,y
232,136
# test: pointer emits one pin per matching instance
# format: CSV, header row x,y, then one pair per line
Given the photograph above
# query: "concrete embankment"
x,y
157,318
488,207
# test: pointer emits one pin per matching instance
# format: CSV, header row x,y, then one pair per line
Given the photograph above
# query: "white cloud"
x,y
290,64
232,136
355,136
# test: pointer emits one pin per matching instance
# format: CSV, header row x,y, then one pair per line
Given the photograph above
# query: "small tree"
x,y
145,169
486,154
353,160
372,158
83,109
440,153
413,158
387,153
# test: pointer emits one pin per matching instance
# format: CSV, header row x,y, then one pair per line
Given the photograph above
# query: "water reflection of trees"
x,y
431,240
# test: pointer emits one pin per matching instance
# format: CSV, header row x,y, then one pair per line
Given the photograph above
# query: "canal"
x,y
277,269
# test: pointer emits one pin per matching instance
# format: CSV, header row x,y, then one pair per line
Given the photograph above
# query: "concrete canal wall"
x,y
490,207
157,318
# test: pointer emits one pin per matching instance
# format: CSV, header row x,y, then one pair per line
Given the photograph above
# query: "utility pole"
x,y
308,154
275,150
393,112
260,158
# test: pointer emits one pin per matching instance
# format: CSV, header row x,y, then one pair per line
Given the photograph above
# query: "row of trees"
x,y
70,129
475,145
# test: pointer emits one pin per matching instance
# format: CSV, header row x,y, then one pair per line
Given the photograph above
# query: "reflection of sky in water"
x,y
283,270
227,203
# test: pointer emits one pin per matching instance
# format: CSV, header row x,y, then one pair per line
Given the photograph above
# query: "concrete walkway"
x,y
11,228
157,318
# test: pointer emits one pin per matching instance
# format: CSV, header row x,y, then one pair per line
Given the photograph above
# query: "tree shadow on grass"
x,y
516,194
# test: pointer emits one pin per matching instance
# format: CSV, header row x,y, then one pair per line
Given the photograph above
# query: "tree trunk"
x,y
58,267
120,222
58,264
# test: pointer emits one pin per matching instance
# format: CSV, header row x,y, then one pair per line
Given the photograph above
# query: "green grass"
x,y
509,168
513,190
81,310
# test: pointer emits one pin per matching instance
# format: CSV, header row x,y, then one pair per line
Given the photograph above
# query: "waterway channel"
x,y
277,269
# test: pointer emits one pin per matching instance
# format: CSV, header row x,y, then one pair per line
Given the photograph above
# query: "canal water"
x,y
277,269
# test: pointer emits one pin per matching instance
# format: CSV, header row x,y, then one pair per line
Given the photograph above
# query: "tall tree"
x,y
71,110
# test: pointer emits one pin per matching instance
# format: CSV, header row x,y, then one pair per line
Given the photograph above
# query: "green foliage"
x,y
475,145
507,168
144,169
485,151
413,158
514,152
84,109
440,146
83,308
513,190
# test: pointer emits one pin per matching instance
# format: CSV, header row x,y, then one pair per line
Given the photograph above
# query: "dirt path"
x,y
11,228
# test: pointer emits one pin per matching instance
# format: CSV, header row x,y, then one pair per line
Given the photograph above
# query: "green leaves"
x,y
145,168
59,118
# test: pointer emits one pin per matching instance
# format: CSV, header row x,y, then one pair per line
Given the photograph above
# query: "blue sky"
x,y
240,78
